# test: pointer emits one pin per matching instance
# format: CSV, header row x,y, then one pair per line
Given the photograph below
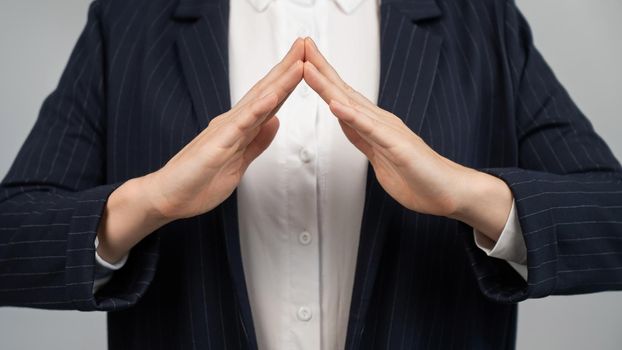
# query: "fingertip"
x,y
310,74
310,66
341,111
274,119
312,52
297,48
305,68
297,69
301,42
297,42
310,41
270,128
296,65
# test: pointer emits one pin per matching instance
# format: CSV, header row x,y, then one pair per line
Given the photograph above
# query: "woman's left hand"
x,y
406,167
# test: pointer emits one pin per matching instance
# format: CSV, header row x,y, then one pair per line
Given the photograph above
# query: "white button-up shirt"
x,y
300,203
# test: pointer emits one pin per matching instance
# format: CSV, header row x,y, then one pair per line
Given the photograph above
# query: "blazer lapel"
x,y
203,51
408,58
202,47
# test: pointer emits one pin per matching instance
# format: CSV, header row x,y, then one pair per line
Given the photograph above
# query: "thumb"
x,y
261,141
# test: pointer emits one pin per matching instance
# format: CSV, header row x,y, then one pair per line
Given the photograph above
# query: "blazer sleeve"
x,y
53,197
567,187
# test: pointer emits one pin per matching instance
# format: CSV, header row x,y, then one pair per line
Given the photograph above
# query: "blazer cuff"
x,y
129,284
496,279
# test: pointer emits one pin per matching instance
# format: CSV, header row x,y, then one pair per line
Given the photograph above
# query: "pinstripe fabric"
x,y
147,75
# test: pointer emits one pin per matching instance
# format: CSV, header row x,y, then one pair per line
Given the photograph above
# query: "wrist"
x,y
483,202
129,216
154,204
160,208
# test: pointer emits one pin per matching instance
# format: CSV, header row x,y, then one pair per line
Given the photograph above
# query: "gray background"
x,y
579,38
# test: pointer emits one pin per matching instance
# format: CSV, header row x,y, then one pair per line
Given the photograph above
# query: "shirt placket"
x,y
302,210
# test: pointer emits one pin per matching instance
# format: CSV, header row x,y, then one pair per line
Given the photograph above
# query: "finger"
x,y
327,90
240,128
313,55
369,128
357,140
295,53
260,142
233,133
246,118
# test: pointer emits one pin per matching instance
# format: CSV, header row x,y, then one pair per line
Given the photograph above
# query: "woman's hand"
x,y
207,170
406,167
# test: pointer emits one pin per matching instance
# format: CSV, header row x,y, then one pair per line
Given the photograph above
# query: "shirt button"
x,y
304,313
305,155
304,237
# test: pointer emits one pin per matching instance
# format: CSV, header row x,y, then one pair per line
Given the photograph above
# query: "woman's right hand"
x,y
207,170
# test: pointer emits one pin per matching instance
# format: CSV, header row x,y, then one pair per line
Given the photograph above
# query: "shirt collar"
x,y
347,6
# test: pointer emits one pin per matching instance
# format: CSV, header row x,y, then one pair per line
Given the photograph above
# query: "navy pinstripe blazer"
x,y
147,75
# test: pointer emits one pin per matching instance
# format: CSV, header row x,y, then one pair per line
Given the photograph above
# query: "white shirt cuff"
x,y
105,268
510,246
